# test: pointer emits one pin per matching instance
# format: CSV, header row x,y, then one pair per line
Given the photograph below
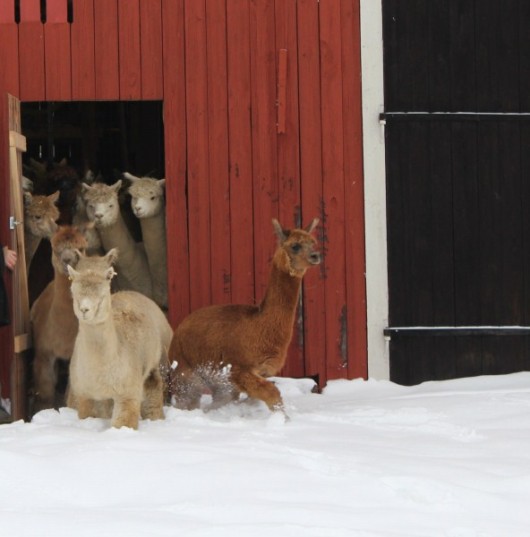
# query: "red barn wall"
x,y
238,151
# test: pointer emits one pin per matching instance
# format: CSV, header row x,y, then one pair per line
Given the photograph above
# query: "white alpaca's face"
x,y
147,196
103,214
146,206
91,298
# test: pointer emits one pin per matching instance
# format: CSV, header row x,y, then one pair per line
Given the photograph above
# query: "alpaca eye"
x,y
296,247
37,217
152,198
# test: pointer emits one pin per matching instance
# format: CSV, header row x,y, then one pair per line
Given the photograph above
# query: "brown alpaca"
x,y
233,348
53,322
40,215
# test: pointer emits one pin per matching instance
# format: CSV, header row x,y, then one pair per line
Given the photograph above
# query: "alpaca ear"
x,y
116,186
312,225
54,198
162,182
89,177
110,273
130,176
86,187
280,233
27,199
62,163
79,253
112,256
72,272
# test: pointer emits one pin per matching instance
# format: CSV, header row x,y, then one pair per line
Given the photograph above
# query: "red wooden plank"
x,y
282,90
198,161
106,49
8,48
56,11
30,11
175,160
354,191
7,11
240,147
57,52
264,151
289,150
83,52
311,174
31,52
129,50
333,180
218,151
151,49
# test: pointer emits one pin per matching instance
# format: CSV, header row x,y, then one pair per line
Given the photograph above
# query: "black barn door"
x,y
457,115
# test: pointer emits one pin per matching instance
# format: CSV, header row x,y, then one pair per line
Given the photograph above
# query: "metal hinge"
x,y
13,222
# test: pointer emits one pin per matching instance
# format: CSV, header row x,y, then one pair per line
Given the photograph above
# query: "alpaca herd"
x,y
104,313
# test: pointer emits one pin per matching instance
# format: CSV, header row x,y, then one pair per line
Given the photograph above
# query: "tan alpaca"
x,y
53,322
103,209
147,202
233,348
40,215
80,218
122,340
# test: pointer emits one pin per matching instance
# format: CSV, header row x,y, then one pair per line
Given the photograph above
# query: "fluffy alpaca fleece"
x,y
53,322
122,341
233,348
40,215
147,202
103,208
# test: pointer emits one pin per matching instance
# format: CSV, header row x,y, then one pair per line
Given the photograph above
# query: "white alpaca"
x,y
40,214
103,209
122,341
147,202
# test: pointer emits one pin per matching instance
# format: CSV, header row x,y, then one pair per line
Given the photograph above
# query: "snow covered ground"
x,y
362,459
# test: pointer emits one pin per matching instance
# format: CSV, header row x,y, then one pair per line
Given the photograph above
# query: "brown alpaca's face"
x,y
301,249
66,243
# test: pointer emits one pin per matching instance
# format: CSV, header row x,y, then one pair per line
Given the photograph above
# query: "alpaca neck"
x,y
281,297
154,239
117,235
62,295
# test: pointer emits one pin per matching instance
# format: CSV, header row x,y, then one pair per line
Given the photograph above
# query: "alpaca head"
x,y
41,212
147,195
67,243
102,205
91,294
297,249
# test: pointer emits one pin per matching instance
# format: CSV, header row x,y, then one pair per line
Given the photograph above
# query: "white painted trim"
x,y
374,187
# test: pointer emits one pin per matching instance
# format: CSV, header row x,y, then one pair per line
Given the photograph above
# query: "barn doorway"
x,y
73,142
107,138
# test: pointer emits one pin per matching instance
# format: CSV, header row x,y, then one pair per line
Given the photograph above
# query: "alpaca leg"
x,y
126,413
45,379
258,388
222,394
85,407
187,388
153,402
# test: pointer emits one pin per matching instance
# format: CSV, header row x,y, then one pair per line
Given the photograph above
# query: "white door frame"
x,y
374,187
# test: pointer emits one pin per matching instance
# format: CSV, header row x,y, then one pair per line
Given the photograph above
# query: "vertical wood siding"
x,y
215,64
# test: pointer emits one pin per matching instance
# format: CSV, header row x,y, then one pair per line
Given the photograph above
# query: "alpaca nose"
x,y
315,258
